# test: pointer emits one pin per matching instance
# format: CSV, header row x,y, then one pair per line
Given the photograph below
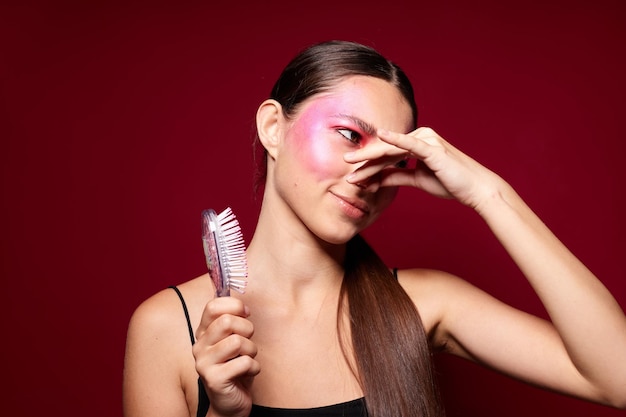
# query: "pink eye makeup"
x,y
353,128
365,127
351,135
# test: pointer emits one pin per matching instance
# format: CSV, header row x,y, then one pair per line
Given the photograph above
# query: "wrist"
x,y
497,197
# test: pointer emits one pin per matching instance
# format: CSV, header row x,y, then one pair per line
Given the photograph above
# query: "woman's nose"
x,y
371,184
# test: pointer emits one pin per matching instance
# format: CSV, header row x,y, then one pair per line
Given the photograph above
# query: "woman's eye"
x,y
351,135
402,164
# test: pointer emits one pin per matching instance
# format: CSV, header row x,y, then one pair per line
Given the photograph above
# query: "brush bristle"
x,y
233,246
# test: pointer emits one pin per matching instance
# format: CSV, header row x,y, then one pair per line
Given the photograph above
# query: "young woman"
x,y
324,327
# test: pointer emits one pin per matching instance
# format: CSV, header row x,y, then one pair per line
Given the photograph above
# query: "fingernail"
x,y
348,155
351,177
383,132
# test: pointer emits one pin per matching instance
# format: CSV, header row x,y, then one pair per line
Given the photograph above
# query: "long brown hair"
x,y
391,353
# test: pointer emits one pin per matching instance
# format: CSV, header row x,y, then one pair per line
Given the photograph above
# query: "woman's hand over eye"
x,y
440,168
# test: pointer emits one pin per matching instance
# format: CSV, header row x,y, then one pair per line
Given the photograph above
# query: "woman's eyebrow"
x,y
362,124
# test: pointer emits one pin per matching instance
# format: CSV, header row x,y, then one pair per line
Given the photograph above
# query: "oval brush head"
x,y
225,251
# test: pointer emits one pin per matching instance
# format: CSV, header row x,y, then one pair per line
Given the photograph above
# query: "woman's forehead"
x,y
372,101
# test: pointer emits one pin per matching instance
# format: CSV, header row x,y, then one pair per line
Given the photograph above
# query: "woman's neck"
x,y
286,259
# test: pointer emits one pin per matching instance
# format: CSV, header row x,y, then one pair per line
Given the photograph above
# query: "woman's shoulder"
x,y
158,360
423,279
165,310
432,291
431,284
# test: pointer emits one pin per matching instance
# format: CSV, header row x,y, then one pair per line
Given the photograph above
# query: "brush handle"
x,y
210,243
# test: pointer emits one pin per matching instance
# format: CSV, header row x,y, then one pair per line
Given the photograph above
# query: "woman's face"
x,y
310,172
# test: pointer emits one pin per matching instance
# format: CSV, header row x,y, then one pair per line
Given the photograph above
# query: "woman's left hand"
x,y
441,169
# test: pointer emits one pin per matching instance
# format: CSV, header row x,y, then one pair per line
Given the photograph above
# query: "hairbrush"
x,y
225,251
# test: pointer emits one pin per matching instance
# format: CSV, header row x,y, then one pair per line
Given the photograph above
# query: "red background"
x,y
121,122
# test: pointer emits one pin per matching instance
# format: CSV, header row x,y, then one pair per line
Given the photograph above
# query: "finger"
x,y
226,349
374,150
418,143
224,326
242,366
371,168
220,306
223,375
229,349
398,178
422,179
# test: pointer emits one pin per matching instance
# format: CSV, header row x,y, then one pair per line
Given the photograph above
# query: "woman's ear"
x,y
268,125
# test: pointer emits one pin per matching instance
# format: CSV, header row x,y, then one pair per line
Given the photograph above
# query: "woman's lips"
x,y
353,207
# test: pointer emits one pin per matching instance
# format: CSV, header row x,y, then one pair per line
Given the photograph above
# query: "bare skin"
x,y
270,345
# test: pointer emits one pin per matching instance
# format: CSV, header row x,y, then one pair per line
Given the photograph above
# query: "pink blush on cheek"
x,y
313,146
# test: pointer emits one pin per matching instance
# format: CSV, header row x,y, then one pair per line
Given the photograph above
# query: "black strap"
x,y
182,301
203,399
395,273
